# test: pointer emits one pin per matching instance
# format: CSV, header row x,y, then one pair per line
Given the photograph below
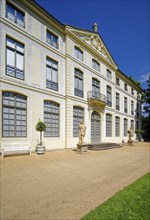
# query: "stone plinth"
x,y
82,148
130,142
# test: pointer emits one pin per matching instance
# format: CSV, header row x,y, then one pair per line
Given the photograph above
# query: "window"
x,y
78,116
117,123
51,119
132,124
138,110
125,105
95,88
117,101
137,125
14,115
132,91
15,59
78,53
52,39
109,98
125,126
108,73
51,74
117,81
108,125
15,15
132,107
95,65
78,82
125,87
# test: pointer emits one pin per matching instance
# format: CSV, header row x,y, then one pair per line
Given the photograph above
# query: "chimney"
x,y
95,27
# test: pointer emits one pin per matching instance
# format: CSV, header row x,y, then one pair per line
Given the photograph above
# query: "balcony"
x,y
96,99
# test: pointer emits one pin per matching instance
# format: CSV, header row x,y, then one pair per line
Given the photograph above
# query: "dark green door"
x,y
95,127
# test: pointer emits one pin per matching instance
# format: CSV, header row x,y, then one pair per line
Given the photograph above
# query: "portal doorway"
x,y
95,127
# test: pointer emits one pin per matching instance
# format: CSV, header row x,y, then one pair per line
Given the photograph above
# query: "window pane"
x,y
10,58
19,61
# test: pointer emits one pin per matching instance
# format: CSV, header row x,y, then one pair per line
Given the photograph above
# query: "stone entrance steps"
x,y
103,146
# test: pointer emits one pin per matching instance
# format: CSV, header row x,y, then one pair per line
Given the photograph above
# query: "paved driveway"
x,y
66,185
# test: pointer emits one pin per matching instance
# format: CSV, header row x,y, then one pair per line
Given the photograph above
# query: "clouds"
x,y
144,77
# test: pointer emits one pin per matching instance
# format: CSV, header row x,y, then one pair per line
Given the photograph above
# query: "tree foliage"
x,y
135,81
40,126
146,109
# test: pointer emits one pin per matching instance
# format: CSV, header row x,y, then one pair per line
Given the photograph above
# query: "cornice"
x,y
30,87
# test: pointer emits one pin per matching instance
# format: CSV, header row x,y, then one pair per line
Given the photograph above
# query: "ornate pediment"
x,y
94,41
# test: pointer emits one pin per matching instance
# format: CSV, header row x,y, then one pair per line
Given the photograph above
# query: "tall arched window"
x,y
14,115
117,123
125,126
78,116
108,125
51,119
95,88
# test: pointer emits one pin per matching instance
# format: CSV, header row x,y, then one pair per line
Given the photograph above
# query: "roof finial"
x,y
95,27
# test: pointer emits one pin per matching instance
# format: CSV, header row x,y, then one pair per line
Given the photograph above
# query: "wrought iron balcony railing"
x,y
97,96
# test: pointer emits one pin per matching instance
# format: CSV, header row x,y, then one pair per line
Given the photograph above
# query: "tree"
x,y
146,110
135,81
40,126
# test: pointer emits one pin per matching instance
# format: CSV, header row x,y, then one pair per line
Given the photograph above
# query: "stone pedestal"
x,y
82,148
130,142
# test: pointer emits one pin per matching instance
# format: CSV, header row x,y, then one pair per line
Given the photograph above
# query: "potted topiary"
x,y
40,126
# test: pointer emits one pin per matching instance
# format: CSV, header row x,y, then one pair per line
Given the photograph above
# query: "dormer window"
x,y
52,39
78,53
95,65
15,15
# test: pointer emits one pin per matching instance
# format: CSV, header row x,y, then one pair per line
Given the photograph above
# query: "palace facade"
x,y
62,75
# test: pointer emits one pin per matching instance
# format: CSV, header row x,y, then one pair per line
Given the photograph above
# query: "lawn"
x,y
133,202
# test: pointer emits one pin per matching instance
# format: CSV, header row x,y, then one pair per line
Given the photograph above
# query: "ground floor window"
x,y
117,123
51,119
78,116
108,125
125,126
14,110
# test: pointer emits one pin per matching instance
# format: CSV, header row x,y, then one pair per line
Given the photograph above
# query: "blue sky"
x,y
124,26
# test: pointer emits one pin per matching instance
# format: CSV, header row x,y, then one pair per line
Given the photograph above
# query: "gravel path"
x,y
65,185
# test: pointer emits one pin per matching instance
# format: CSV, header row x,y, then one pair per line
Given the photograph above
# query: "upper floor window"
x,y
52,39
78,116
125,105
95,65
117,81
78,53
132,107
117,101
14,115
109,96
14,58
51,119
95,88
117,126
138,109
109,74
15,15
78,83
132,91
125,87
108,125
51,74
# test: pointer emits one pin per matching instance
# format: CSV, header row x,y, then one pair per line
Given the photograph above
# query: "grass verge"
x,y
132,203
